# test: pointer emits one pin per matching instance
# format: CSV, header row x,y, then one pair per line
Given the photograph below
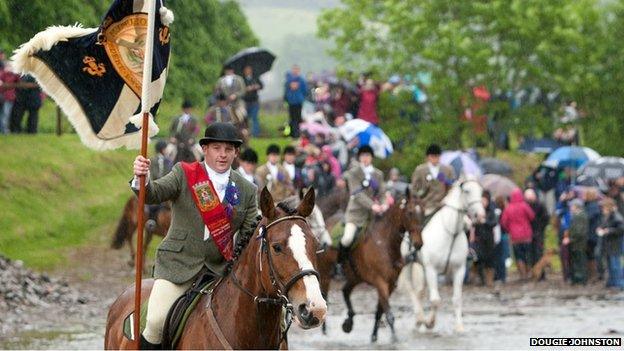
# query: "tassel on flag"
x,y
95,74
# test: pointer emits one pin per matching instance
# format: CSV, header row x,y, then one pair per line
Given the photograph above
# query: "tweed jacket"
x,y
431,190
362,197
184,252
279,188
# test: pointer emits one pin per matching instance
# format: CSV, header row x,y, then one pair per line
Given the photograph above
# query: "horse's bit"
x,y
281,288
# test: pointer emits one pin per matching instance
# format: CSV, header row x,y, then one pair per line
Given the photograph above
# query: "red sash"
x,y
210,207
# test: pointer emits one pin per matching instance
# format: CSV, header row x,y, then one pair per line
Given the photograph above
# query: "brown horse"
x,y
275,270
333,206
376,259
128,224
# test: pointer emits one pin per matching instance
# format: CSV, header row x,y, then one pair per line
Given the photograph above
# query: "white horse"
x,y
444,250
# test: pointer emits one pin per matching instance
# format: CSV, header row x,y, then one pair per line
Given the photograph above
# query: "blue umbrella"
x,y
570,156
543,145
367,134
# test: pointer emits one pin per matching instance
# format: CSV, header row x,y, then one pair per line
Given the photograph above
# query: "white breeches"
x,y
164,294
349,234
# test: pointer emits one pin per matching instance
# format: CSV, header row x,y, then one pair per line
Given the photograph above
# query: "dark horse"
x,y
128,224
376,259
275,270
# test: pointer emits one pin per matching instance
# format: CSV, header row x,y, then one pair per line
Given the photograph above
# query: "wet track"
x,y
507,321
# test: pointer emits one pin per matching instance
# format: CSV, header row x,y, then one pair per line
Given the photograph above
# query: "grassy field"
x,y
56,195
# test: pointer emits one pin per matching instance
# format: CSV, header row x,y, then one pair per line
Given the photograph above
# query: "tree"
x,y
501,44
204,34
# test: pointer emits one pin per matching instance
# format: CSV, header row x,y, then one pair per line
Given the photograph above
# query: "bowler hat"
x,y
434,149
365,149
221,132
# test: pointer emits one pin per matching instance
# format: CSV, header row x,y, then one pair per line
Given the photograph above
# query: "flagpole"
x,y
145,108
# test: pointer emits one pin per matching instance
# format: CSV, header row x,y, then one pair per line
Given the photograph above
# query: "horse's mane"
x,y
244,238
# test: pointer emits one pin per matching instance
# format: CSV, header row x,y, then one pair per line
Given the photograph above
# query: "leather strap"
x,y
215,326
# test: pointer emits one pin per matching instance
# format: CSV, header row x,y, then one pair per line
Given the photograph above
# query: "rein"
x,y
281,288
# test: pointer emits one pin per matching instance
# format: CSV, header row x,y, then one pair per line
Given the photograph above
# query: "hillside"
x,y
55,193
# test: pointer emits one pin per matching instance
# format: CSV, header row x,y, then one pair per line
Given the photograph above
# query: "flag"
x,y
95,74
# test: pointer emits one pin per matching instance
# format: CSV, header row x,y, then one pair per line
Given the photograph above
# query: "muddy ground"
x,y
506,321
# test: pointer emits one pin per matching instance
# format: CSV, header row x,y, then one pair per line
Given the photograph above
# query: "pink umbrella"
x,y
498,185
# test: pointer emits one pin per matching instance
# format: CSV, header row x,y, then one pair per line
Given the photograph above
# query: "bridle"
x,y
465,209
281,288
460,215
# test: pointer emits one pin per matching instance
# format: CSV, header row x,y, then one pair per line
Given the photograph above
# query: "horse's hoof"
x,y
430,324
347,325
374,338
131,263
394,339
422,329
390,319
324,329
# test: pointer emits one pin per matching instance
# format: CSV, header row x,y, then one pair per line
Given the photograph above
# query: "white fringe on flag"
x,y
24,62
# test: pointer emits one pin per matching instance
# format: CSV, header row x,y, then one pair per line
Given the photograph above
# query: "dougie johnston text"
x,y
575,342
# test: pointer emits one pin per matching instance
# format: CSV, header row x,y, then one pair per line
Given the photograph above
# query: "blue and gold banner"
x,y
95,74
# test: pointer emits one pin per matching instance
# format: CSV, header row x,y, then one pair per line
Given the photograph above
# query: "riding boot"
x,y
343,254
146,345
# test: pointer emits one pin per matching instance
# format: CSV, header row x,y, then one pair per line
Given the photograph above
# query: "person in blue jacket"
x,y
295,90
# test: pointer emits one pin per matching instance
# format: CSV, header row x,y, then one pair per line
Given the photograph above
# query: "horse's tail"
x,y
125,227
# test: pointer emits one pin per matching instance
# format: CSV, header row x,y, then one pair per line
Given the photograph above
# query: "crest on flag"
x,y
95,74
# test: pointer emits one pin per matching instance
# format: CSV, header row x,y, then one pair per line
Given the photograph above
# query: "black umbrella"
x,y
605,168
259,59
543,145
495,166
593,182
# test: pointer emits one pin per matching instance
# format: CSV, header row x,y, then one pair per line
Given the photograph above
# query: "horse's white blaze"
x,y
297,244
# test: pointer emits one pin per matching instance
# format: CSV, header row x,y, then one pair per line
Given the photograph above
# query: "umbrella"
x,y
591,181
259,59
462,162
571,156
495,166
543,145
605,168
498,185
367,134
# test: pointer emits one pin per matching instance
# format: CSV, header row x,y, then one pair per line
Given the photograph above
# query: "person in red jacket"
x,y
369,96
516,220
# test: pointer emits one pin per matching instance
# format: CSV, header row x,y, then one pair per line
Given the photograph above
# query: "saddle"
x,y
178,314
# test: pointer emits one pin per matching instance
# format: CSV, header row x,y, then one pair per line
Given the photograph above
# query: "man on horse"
x,y
210,204
431,180
367,196
183,133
